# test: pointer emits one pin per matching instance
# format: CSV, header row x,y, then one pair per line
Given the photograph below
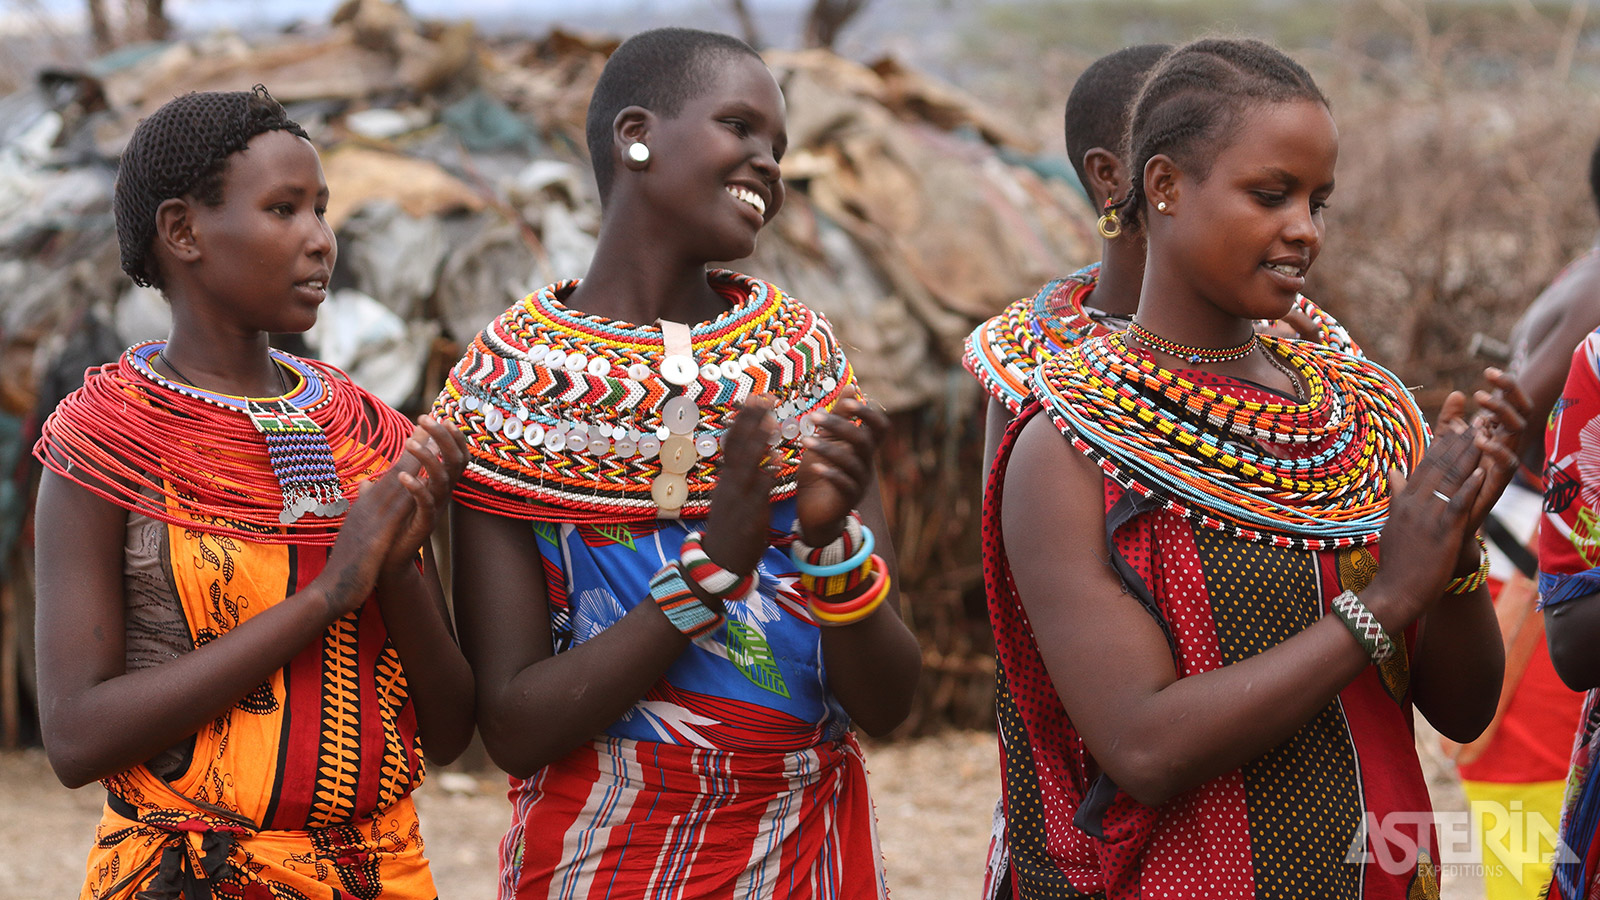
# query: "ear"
x,y
175,234
1163,182
1105,175
632,125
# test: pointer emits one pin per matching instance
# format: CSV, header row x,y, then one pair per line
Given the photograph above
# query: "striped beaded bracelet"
x,y
687,612
846,547
714,579
1466,584
1364,625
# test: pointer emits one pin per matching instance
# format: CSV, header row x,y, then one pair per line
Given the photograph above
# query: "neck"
x,y
1116,291
639,281
217,360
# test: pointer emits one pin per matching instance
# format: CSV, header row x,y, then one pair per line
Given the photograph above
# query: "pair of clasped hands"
x,y
1436,511
836,471
394,514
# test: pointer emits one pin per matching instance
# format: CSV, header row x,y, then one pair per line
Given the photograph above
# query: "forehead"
x,y
274,159
730,78
1296,136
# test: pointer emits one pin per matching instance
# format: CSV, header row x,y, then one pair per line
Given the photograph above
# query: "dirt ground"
x,y
934,798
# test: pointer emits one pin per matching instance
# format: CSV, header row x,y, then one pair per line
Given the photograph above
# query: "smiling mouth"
x,y
315,284
1286,269
748,196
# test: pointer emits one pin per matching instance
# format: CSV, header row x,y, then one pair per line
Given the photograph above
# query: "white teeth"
x,y
750,197
1291,271
315,285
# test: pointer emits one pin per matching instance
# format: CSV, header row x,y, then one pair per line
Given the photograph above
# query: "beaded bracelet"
x,y
868,604
863,598
1364,625
1466,584
714,579
687,612
862,555
842,548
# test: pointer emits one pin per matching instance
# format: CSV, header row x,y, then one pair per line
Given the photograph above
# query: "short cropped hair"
x,y
1191,105
182,149
1102,97
660,70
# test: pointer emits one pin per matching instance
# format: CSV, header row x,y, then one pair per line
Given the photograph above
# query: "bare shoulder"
x,y
1049,482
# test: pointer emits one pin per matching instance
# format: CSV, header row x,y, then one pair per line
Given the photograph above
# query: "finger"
x,y
747,438
845,457
1465,499
1502,411
849,487
1511,389
438,483
1450,414
1446,447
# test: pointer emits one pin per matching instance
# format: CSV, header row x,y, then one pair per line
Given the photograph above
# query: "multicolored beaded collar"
x,y
259,467
1004,351
572,417
1210,456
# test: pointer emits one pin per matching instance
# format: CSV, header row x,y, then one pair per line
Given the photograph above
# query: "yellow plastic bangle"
x,y
833,619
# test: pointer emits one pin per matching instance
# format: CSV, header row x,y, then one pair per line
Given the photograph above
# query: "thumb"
x,y
1397,481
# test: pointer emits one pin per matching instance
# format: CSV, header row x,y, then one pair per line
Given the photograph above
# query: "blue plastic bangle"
x,y
855,562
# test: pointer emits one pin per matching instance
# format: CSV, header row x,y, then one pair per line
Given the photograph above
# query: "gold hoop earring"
x,y
1110,226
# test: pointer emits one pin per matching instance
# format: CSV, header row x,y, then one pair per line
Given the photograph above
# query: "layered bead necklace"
x,y
1210,456
572,417
263,467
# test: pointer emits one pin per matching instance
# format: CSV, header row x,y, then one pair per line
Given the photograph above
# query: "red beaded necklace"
x,y
185,456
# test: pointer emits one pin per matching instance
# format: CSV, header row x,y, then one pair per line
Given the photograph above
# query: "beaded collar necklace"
x,y
297,449
1225,462
1191,353
573,417
261,468
1004,350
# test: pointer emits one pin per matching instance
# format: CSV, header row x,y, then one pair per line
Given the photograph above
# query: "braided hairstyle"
x,y
1101,98
182,149
660,70
1190,107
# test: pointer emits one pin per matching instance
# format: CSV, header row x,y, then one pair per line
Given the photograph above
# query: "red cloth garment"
x,y
624,819
1288,824
1569,571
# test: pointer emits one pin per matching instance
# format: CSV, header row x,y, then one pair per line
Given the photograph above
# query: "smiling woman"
x,y
250,662
672,574
1206,677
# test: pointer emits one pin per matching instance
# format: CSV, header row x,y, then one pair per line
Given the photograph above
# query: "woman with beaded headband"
x,y
1227,570
240,630
671,571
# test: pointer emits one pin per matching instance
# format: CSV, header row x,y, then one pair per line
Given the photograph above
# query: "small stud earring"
x,y
1161,206
638,152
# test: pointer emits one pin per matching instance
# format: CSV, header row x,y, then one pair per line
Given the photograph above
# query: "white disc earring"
x,y
1162,206
638,152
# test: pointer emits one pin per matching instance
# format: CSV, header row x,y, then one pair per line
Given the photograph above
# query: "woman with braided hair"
x,y
1224,567
241,633
671,570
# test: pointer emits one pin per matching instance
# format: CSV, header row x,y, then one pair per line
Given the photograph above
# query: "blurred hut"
x,y
459,183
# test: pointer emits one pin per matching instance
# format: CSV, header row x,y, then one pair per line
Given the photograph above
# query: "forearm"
x,y
437,675
1159,746
120,722
548,708
873,666
1458,665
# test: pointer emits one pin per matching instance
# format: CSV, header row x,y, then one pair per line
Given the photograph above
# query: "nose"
x,y
766,164
1304,227
320,240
